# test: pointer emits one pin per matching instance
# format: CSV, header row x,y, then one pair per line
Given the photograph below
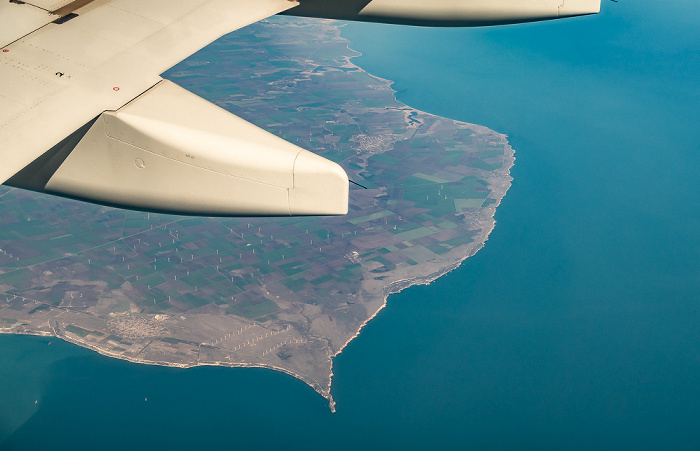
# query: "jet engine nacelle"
x,y
458,13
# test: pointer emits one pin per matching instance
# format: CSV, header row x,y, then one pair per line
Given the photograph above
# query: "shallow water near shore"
x,y
574,327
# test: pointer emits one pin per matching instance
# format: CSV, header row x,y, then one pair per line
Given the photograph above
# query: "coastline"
x,y
498,182
578,315
427,280
392,288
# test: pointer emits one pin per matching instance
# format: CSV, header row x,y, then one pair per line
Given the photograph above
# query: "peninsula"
x,y
281,293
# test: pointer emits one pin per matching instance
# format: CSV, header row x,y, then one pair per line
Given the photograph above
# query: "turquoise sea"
x,y
576,327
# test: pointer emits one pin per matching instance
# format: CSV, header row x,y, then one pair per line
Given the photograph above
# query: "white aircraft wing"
x,y
84,112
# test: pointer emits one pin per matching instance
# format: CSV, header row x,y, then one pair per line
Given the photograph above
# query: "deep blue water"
x,y
577,326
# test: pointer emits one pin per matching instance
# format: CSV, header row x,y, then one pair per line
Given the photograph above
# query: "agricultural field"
x,y
282,293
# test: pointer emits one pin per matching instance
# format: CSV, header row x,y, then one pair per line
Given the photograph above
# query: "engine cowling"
x,y
458,13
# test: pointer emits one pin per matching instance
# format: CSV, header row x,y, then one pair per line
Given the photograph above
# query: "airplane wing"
x,y
84,112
